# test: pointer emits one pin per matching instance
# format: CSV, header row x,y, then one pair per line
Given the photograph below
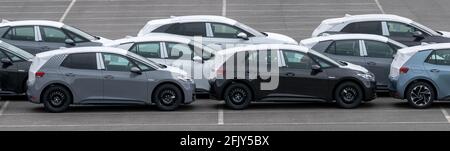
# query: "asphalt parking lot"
x,y
297,18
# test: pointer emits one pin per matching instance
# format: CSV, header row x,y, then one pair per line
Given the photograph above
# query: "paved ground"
x,y
297,18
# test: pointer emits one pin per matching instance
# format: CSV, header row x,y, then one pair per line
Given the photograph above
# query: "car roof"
x,y
33,22
344,37
81,50
193,18
425,47
264,47
369,17
153,37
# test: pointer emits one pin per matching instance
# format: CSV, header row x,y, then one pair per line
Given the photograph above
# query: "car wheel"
x,y
238,96
348,95
167,97
56,99
420,95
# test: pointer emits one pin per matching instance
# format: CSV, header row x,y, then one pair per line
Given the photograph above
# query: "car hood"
x,y
103,40
280,37
175,70
445,34
355,67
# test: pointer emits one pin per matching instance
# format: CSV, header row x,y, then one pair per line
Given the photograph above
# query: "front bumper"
x,y
189,93
370,91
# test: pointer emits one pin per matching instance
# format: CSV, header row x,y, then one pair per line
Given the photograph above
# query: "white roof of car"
x,y
33,22
49,54
194,18
263,47
369,17
152,37
310,42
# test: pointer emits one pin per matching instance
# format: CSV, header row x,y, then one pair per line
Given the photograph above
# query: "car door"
x,y
346,50
23,37
437,66
404,33
120,84
297,79
52,38
150,50
378,57
8,74
81,71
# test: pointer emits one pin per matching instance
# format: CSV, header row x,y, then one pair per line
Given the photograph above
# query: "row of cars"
x,y
347,61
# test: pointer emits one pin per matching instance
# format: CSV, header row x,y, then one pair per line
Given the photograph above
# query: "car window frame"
x,y
386,43
181,23
357,41
42,33
68,55
233,26
131,60
433,52
357,28
13,27
425,33
313,62
137,43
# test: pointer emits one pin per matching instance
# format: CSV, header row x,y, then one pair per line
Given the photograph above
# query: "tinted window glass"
x,y
297,60
81,61
179,51
379,49
163,28
322,46
400,29
75,37
2,54
114,62
13,57
50,34
224,31
323,63
344,47
440,57
25,33
3,30
373,27
188,29
147,50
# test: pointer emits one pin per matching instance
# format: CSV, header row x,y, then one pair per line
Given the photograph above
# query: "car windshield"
x,y
145,60
79,32
16,50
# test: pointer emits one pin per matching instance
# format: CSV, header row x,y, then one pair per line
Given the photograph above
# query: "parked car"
x,y
37,36
373,52
421,74
303,75
215,30
173,50
15,63
395,27
105,75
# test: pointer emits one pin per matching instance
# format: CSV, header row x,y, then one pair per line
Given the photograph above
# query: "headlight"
x,y
368,76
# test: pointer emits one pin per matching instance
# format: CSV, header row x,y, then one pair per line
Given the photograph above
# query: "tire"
x,y
420,95
167,97
237,96
56,99
348,95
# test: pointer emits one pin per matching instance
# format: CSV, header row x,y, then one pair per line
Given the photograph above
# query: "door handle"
x,y
371,63
290,74
109,77
434,70
70,74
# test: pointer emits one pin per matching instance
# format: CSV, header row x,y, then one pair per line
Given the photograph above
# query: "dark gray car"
x,y
37,36
373,52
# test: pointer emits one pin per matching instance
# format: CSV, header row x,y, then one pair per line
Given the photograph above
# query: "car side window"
x,y
322,46
188,29
51,34
297,60
85,61
147,50
2,54
179,51
344,48
370,27
13,57
323,63
379,49
76,38
401,29
224,31
440,57
3,30
22,33
115,62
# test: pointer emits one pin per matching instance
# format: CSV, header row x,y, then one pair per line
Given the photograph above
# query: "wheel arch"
x,y
246,83
428,81
354,80
56,84
163,83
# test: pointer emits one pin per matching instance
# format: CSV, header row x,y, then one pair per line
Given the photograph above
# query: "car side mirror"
x,y
418,34
242,36
69,42
136,70
197,59
6,61
316,67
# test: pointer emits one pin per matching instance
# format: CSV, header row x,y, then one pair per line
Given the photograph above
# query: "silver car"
x,y
105,75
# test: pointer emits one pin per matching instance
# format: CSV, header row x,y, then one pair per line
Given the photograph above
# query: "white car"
x,y
173,50
216,30
37,36
395,27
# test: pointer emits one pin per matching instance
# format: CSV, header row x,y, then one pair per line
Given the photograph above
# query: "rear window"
x,y
85,61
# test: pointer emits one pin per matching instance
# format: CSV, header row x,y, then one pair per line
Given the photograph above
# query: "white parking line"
x,y
220,117
445,114
3,108
379,6
67,10
224,7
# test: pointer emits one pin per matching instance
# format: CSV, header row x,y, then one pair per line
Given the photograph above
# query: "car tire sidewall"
x,y
234,105
348,105
408,95
50,107
167,88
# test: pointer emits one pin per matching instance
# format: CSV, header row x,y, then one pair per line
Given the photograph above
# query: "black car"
x,y
15,63
302,74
